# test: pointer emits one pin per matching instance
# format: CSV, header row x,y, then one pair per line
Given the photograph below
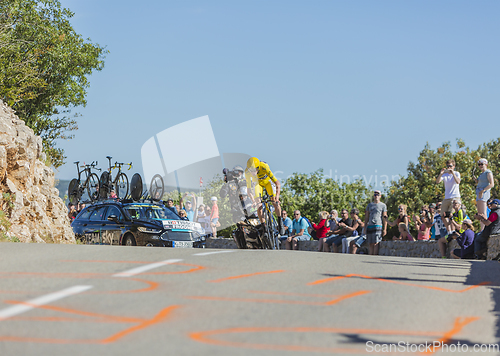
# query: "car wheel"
x,y
129,240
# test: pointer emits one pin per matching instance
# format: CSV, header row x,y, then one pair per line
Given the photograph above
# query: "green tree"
x,y
312,193
45,66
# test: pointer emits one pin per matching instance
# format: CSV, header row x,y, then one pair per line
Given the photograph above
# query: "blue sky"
x,y
353,87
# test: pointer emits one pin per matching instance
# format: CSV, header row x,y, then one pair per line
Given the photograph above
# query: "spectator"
x,y
113,195
451,179
81,206
299,232
439,228
287,224
188,205
375,223
424,224
334,219
402,217
321,228
214,217
491,226
183,215
170,205
484,184
72,213
404,234
358,226
344,229
465,240
455,223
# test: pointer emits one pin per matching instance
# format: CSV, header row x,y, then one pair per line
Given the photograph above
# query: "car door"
x,y
111,230
95,225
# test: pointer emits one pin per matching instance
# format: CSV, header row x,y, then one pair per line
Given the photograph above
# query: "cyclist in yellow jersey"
x,y
260,173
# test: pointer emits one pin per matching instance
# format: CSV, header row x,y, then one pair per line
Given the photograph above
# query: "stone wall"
x,y
36,211
423,249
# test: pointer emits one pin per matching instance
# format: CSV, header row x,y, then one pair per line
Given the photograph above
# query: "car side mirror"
x,y
113,218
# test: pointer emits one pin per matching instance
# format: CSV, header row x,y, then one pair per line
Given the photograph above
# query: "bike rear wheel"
x,y
121,186
93,187
73,191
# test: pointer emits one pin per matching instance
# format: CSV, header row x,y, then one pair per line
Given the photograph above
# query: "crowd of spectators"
x,y
442,221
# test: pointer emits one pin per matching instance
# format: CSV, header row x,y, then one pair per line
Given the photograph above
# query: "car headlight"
x,y
148,230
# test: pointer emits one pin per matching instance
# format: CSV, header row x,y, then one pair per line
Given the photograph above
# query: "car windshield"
x,y
137,211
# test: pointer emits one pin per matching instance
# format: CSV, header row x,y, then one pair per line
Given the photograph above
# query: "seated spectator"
x,y
299,232
343,230
358,231
455,223
287,225
404,234
402,217
334,219
424,224
356,244
465,240
321,228
491,226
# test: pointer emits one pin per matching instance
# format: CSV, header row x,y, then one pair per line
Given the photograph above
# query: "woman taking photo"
x,y
484,184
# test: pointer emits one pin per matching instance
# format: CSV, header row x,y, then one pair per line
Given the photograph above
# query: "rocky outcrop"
x,y
29,198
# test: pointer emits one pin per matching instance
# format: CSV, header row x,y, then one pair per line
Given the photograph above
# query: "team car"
x,y
136,224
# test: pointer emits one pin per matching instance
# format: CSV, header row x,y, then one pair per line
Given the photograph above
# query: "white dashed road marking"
x,y
49,298
135,271
210,253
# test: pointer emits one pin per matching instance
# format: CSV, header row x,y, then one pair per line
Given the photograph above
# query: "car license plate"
x,y
182,244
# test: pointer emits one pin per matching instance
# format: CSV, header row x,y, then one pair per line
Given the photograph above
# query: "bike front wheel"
x,y
93,187
121,186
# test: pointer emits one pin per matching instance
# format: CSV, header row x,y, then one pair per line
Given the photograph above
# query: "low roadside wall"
x,y
423,249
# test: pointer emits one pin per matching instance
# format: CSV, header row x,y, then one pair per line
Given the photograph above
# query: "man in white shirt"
x,y
451,179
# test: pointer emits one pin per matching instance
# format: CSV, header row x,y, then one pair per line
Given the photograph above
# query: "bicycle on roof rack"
x,y
76,188
119,185
270,237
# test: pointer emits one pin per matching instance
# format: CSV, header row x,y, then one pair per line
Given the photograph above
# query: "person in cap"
x,y
484,185
171,206
214,216
465,240
375,223
188,205
491,227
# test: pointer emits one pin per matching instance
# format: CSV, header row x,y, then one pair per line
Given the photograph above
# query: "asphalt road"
x,y
102,300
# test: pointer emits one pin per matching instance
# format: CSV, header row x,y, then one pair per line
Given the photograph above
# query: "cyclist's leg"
x,y
277,206
258,194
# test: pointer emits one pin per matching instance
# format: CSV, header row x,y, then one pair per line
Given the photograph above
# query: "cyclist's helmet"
x,y
238,169
253,163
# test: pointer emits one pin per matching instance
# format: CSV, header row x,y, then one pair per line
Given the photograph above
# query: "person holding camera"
x,y
321,228
484,184
465,240
451,179
424,223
